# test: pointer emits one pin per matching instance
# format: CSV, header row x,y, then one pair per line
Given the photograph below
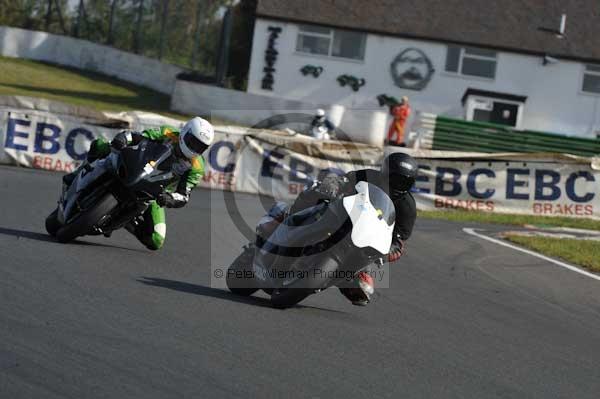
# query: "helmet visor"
x,y
400,182
194,144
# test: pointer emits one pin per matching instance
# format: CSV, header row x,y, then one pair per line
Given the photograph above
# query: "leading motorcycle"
x,y
315,248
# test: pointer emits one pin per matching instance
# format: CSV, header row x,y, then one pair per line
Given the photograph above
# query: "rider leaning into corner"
x,y
189,143
397,176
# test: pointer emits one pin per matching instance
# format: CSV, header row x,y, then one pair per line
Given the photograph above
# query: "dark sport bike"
x,y
315,248
109,193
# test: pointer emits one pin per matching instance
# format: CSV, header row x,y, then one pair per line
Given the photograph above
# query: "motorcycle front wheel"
x,y
52,223
239,275
85,221
314,281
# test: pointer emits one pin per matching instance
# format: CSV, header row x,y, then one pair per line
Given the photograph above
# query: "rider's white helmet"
x,y
195,137
320,112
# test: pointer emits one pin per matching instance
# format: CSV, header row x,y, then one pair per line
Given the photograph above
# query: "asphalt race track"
x,y
100,318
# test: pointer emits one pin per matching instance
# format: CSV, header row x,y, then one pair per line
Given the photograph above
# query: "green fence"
x,y
459,135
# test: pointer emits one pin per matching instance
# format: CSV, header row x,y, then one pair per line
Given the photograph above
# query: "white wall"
x,y
200,99
42,46
555,102
363,126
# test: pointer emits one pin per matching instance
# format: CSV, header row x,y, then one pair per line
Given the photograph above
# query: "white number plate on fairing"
x,y
368,229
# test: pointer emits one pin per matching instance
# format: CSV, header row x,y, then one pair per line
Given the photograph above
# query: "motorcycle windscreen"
x,y
141,160
373,216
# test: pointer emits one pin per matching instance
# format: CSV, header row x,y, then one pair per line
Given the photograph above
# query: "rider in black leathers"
x,y
397,176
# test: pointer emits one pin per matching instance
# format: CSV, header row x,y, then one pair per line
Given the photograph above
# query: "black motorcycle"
x,y
111,192
316,248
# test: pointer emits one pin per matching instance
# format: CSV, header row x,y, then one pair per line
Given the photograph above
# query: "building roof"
x,y
512,25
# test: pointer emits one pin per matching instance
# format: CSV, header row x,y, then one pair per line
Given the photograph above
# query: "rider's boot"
x,y
143,229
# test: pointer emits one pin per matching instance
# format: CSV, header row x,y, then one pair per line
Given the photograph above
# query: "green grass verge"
x,y
585,253
73,86
509,219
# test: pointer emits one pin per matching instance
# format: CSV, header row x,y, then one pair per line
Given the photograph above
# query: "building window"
x,y
591,79
471,61
314,40
331,42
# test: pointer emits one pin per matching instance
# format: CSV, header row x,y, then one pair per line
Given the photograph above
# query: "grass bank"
x,y
74,86
509,219
585,253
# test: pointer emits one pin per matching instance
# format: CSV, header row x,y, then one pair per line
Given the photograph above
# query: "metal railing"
x,y
444,133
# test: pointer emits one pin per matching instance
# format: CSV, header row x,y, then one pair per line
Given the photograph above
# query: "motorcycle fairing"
x,y
370,226
319,226
137,167
80,183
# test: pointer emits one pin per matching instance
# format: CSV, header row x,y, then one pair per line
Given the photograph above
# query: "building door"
x,y
493,107
501,113
504,113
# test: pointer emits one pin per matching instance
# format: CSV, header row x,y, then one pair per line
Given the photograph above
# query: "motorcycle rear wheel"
x,y
84,222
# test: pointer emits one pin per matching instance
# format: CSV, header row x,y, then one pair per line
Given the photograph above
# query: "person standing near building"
x,y
320,127
400,112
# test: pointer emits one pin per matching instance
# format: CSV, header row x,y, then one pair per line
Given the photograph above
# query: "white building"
x,y
516,62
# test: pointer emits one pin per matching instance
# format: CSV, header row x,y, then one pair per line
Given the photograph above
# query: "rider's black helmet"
x,y
400,171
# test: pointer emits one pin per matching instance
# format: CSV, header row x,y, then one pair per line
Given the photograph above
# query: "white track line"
x,y
532,253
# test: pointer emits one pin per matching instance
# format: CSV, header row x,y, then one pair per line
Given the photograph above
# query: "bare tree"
x,y
61,21
111,21
77,26
48,16
137,37
163,25
197,33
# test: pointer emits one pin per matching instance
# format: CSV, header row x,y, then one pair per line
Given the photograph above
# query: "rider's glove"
x,y
120,141
396,251
172,200
164,200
